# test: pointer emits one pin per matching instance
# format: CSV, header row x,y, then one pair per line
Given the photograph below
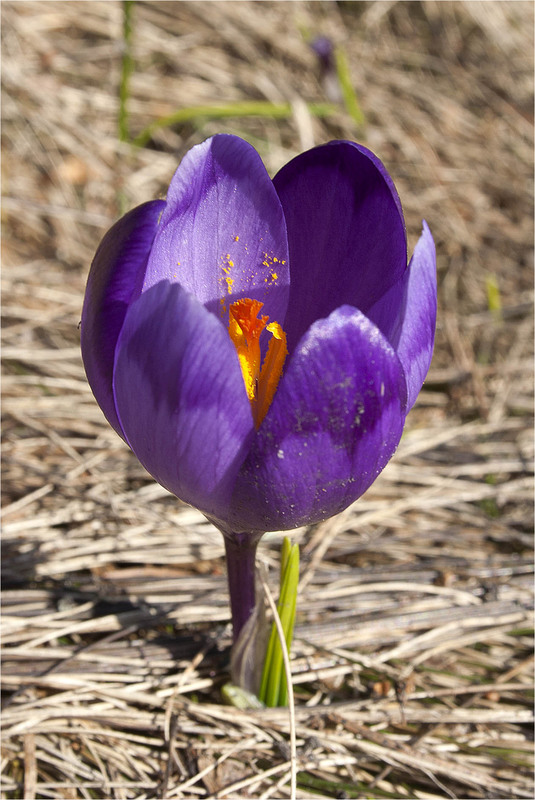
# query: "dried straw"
x,y
412,664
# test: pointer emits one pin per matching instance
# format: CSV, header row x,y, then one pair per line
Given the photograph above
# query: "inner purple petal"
x,y
346,232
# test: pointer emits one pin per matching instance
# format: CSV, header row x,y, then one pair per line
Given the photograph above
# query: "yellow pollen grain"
x,y
226,269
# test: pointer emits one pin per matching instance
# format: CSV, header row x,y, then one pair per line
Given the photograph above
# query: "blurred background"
x,y
412,660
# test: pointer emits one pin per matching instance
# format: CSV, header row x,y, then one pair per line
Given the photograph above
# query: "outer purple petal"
x,y
334,423
181,398
114,280
223,230
407,314
345,230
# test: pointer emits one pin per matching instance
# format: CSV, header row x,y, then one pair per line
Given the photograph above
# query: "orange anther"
x,y
261,381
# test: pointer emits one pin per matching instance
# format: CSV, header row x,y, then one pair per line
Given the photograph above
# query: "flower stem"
x,y
241,554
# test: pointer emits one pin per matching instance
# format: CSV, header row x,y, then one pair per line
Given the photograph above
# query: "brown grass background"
x,y
412,663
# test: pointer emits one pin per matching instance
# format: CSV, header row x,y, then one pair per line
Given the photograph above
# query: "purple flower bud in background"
x,y
324,50
323,47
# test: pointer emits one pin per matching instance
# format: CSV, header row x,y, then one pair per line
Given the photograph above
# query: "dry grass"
x,y
412,662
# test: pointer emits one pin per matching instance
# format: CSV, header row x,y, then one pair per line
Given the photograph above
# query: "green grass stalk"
x,y
346,85
248,108
273,685
127,67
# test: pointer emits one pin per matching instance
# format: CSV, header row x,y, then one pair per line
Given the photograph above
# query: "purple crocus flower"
x,y
258,343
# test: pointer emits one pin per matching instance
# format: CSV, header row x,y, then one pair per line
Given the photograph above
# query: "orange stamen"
x,y
260,381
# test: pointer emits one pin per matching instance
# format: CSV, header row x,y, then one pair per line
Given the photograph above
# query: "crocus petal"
x,y
334,423
407,314
114,280
180,397
346,232
223,234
